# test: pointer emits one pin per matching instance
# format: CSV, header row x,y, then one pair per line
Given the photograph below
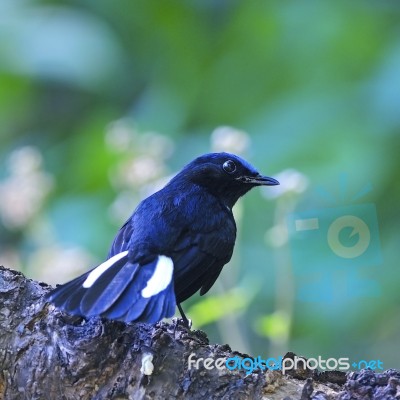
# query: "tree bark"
x,y
45,354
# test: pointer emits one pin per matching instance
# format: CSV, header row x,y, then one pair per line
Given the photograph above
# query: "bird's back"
x,y
192,228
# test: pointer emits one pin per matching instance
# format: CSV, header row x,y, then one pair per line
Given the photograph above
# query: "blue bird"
x,y
175,243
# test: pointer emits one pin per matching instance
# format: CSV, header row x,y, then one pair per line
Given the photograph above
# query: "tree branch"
x,y
45,354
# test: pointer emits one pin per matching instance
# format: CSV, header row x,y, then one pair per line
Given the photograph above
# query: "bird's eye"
x,y
229,166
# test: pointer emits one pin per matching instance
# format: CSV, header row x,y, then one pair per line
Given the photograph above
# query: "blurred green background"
x,y
102,101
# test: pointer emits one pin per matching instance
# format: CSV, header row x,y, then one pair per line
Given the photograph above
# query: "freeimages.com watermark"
x,y
250,365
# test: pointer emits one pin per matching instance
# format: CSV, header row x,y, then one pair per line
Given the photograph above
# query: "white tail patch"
x,y
98,271
161,277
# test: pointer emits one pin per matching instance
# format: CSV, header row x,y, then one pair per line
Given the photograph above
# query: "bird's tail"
x,y
120,290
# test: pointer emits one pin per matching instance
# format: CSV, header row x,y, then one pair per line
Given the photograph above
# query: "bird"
x,y
175,244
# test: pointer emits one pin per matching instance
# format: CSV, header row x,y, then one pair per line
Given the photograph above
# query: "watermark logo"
x,y
334,248
249,364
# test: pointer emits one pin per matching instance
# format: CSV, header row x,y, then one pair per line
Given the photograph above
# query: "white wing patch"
x,y
161,277
98,271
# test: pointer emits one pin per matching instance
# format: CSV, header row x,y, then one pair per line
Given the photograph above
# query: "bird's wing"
x,y
121,240
121,289
198,261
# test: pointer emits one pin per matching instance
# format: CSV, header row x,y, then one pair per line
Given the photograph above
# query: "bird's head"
x,y
224,175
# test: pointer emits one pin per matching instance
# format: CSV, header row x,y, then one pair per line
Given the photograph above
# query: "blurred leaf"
x,y
212,308
273,326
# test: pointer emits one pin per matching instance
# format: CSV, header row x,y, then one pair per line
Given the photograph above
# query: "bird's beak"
x,y
259,180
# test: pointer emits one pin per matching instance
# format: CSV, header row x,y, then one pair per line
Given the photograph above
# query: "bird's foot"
x,y
187,323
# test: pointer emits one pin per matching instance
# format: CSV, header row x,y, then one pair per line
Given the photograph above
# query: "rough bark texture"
x,y
48,355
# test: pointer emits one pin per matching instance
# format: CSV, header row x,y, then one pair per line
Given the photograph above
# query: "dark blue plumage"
x,y
174,244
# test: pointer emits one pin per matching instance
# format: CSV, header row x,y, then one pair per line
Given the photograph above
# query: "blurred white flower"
x,y
140,170
24,160
144,161
123,136
291,181
156,145
57,264
277,236
231,140
120,135
23,192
